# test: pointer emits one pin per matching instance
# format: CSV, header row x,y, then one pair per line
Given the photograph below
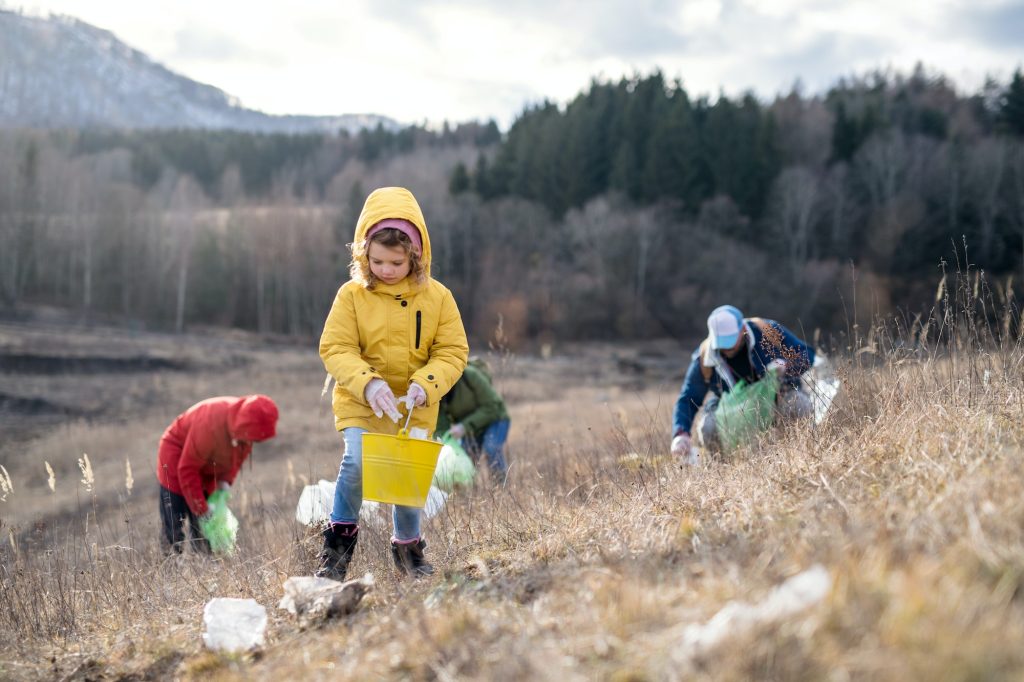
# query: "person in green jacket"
x,y
473,412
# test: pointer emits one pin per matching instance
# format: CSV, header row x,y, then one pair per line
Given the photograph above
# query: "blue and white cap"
x,y
725,323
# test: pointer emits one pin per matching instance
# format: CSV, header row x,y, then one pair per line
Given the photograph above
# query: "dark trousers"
x,y
174,512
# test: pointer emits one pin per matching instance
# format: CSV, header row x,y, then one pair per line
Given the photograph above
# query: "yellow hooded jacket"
x,y
401,332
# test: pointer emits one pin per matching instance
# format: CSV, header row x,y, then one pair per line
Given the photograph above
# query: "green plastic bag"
x,y
454,467
746,410
219,526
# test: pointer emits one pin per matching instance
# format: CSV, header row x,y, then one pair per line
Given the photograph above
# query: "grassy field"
x,y
602,559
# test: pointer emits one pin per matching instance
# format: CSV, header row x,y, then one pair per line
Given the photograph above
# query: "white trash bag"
x,y
233,624
435,501
316,501
822,384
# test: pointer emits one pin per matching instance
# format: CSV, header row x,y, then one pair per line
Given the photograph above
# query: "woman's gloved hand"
x,y
382,400
457,431
681,444
219,498
416,397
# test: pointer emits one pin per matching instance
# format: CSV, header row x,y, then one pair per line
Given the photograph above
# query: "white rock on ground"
x,y
311,599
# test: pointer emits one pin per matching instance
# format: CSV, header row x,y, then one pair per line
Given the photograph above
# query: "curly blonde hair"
x,y
359,268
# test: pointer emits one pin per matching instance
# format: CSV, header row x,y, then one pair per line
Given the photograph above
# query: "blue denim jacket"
x,y
767,340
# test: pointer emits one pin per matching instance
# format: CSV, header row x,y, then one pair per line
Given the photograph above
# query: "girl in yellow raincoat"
x,y
392,331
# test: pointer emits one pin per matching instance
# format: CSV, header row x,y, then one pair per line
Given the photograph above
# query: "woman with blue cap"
x,y
738,348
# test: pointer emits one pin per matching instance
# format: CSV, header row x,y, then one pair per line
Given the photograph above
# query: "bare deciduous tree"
x,y
185,203
804,128
795,210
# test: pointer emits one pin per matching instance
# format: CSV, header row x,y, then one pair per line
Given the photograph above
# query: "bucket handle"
x,y
405,429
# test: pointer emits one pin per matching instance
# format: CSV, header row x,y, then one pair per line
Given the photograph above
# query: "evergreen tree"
x,y
1011,105
482,179
845,135
459,181
673,152
586,162
645,97
488,135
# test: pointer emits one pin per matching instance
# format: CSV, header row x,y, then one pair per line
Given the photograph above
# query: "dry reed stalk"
x,y
6,484
88,478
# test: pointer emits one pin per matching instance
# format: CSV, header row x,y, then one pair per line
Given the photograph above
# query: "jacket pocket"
x,y
419,326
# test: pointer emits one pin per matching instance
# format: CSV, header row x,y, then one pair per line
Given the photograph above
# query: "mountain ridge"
x,y
62,72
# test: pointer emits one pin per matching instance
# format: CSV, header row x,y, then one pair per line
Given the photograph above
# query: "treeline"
x,y
628,213
313,159
874,170
179,227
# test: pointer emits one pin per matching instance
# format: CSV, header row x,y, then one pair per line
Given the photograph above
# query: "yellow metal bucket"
x,y
398,469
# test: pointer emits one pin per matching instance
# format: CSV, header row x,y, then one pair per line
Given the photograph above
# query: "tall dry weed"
x,y
88,477
6,484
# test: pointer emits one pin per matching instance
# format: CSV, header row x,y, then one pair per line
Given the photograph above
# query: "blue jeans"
x,y
348,492
492,443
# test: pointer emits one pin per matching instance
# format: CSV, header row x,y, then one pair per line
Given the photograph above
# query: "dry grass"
x,y
589,565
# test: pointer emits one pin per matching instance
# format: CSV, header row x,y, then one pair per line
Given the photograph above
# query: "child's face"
x,y
389,264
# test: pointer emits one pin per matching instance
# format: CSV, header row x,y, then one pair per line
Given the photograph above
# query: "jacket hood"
x,y
253,418
394,202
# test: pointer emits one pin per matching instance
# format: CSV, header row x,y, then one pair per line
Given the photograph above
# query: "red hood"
x,y
253,418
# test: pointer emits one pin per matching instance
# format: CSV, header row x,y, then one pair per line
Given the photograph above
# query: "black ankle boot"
x,y
410,560
339,543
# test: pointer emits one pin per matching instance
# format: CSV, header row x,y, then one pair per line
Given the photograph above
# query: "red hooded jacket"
x,y
209,442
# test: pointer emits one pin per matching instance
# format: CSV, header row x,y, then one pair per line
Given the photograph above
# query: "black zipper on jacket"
x,y
419,320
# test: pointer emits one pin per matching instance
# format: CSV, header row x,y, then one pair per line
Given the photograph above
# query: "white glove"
x,y
457,431
382,400
416,397
681,444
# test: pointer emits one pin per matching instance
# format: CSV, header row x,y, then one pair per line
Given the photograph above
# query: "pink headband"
x,y
403,226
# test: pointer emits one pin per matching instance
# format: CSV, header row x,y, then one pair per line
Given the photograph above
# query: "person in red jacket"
x,y
203,450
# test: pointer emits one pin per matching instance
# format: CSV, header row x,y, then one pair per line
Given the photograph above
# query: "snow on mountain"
x,y
59,72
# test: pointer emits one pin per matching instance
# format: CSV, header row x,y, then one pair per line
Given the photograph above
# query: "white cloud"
x,y
462,60
699,15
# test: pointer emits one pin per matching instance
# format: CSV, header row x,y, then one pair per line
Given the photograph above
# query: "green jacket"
x,y
472,402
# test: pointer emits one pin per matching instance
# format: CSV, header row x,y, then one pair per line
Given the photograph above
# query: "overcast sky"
x,y
427,60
